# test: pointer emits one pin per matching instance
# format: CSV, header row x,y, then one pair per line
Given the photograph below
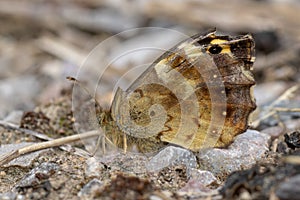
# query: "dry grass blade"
x,y
286,95
292,160
44,145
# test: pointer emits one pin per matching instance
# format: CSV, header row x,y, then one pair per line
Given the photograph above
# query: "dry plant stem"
x,y
42,136
286,95
279,109
274,145
43,145
272,112
292,160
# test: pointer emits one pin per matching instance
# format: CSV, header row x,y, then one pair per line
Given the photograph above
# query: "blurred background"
x,y
42,42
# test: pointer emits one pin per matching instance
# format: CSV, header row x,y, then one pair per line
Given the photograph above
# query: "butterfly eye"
x,y
215,49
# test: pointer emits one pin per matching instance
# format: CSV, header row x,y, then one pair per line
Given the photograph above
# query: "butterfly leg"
x,y
100,139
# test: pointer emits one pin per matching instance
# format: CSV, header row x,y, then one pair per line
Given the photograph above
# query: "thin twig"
x,y
292,159
286,95
280,109
66,147
43,145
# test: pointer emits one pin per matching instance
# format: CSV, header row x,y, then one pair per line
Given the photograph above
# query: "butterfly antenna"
x,y
105,140
79,83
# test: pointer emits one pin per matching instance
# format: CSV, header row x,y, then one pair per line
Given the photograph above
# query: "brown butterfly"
x,y
196,95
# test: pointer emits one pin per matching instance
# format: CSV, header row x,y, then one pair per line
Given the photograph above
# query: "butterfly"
x,y
197,94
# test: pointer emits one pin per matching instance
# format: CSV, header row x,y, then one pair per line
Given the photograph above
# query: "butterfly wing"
x,y
195,95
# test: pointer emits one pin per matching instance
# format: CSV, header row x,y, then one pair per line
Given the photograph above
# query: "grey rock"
x,y
172,155
247,149
38,175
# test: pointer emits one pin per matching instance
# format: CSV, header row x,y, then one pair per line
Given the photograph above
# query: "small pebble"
x,y
88,190
206,178
93,167
172,155
2,173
